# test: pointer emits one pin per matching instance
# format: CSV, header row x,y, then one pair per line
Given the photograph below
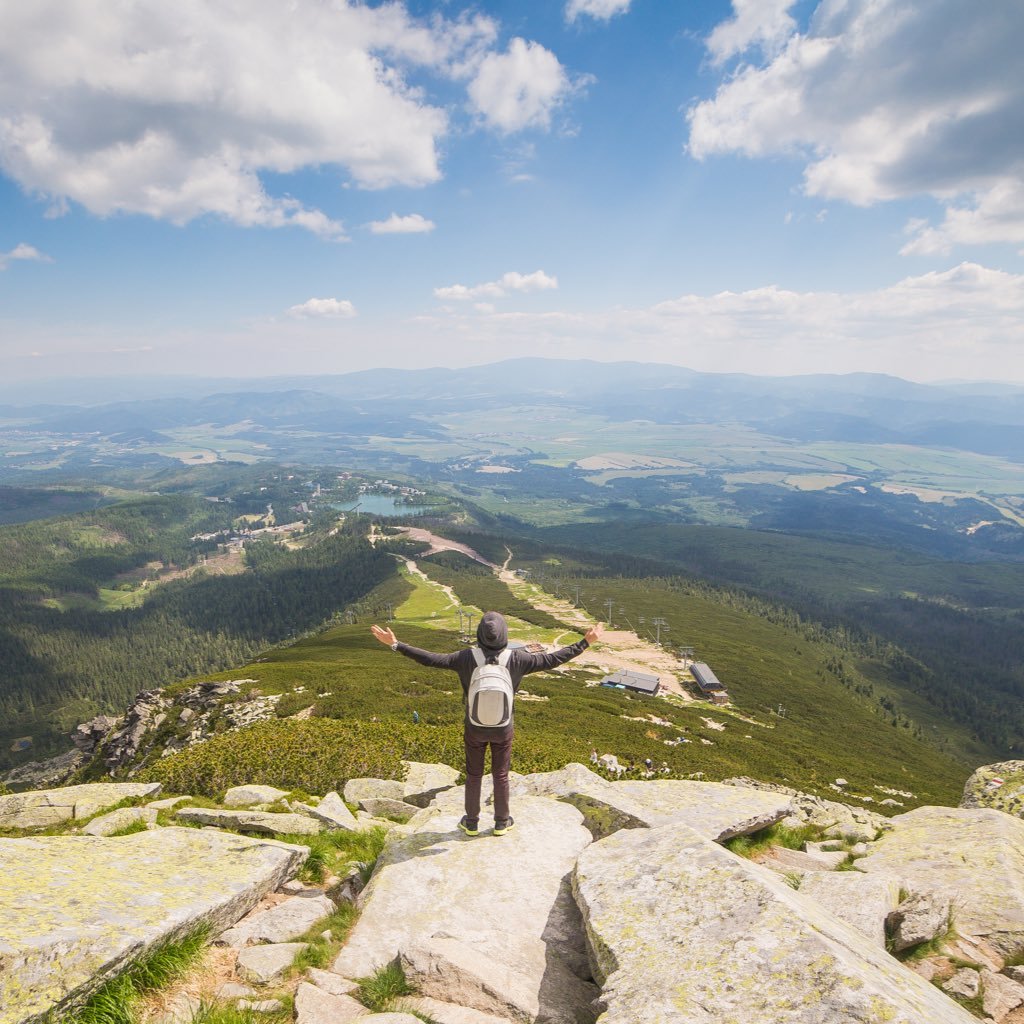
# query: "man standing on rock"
x,y
471,664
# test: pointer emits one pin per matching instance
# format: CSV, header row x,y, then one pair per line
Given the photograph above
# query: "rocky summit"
x,y
608,903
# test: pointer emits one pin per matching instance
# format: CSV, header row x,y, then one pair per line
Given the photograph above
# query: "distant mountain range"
x,y
987,418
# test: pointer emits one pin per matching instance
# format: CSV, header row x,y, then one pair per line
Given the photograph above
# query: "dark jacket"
x,y
521,663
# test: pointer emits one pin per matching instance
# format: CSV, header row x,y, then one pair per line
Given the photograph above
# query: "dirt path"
x,y
453,601
618,649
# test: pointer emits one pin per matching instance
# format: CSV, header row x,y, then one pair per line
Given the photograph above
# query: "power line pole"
x,y
659,625
608,604
577,589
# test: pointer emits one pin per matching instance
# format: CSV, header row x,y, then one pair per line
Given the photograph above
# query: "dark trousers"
x,y
501,760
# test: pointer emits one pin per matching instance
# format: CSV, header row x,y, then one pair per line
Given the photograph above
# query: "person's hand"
x,y
385,636
593,634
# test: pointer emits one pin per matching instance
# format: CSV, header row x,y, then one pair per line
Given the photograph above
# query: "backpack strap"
x,y
479,657
504,658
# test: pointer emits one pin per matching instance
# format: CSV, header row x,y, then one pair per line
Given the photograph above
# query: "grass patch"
x,y
321,951
116,1002
227,1013
338,852
130,830
775,835
379,992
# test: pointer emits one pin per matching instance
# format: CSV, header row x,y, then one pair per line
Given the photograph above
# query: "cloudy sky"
x,y
253,187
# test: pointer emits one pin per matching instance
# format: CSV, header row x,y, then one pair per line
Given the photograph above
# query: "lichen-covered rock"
x,y
1000,786
45,774
449,1013
281,923
123,817
966,983
863,901
1000,995
921,917
263,965
357,790
424,781
41,808
75,910
331,812
314,1005
972,858
506,898
331,982
783,859
267,823
246,796
681,931
381,807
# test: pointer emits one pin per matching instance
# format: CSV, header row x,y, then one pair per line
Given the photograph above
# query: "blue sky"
x,y
251,187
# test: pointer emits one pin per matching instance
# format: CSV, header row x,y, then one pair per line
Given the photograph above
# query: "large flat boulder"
x,y
331,812
681,930
424,781
863,901
41,808
282,923
492,918
266,823
75,910
974,859
713,809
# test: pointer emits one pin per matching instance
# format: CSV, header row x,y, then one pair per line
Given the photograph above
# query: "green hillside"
x,y
362,697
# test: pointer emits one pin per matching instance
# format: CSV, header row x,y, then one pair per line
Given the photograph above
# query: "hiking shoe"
x,y
503,825
470,826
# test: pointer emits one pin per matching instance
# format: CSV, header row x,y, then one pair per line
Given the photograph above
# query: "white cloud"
x,y
602,10
512,281
23,251
763,23
328,308
884,100
174,112
412,224
520,88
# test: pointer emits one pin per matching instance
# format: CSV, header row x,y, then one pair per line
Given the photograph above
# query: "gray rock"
x,y
999,994
965,983
315,1006
168,802
297,888
76,910
357,790
180,1010
1000,786
330,982
108,824
347,889
863,901
973,858
87,736
448,1013
682,931
232,990
424,781
122,746
45,774
261,1005
245,796
282,923
921,917
265,964
381,807
331,811
784,860
393,1018
265,823
40,808
1016,973
856,824
507,899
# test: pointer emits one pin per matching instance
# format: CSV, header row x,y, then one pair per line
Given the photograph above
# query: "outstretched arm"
x,y
541,662
428,658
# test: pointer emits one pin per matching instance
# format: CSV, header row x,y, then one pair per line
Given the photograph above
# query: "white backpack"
x,y
490,691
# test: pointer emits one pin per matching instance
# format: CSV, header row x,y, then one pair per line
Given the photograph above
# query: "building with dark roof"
x,y
708,683
638,682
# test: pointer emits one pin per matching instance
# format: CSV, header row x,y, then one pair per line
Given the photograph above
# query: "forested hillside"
x,y
67,652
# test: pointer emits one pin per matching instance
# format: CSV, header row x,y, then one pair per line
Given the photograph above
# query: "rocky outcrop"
x,y
863,901
281,923
265,823
491,918
44,774
1000,786
122,818
42,808
109,900
331,812
974,859
424,781
681,930
246,796
88,736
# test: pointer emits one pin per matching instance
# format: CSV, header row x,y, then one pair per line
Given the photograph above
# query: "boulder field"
x,y
608,903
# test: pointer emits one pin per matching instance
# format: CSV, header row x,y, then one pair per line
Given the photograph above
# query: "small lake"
x,y
381,505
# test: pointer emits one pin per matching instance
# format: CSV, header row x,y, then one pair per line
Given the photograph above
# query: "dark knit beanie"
x,y
492,633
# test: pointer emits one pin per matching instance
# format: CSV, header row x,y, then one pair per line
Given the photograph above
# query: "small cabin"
x,y
708,683
638,682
